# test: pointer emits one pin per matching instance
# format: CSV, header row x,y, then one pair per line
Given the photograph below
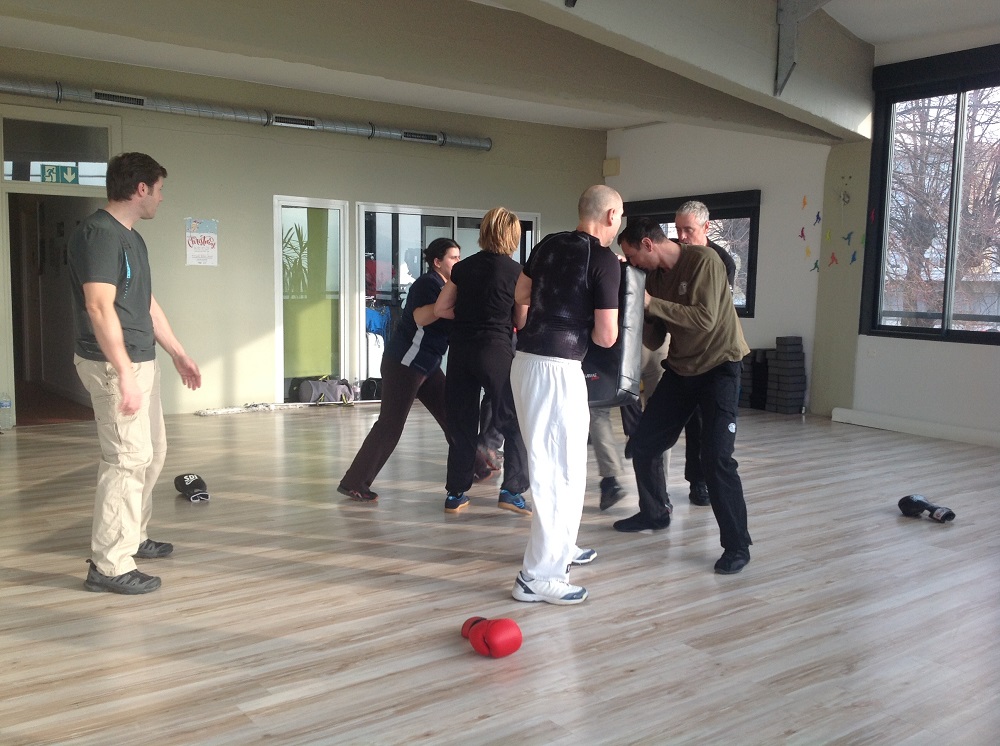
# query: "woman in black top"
x,y
411,369
480,299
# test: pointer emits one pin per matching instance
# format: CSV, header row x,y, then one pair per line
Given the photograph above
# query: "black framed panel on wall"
x,y
932,259
733,224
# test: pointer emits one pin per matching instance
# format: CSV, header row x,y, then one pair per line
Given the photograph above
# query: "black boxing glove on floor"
x,y
914,505
192,487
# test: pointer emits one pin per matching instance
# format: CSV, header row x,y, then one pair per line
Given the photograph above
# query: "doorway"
x,y
46,387
311,310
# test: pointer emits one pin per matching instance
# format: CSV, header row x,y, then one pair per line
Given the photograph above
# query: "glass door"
x,y
311,313
468,235
393,241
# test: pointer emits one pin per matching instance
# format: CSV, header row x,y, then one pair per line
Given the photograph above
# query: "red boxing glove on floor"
x,y
471,622
495,638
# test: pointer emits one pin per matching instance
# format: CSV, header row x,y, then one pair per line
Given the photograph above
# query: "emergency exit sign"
x,y
60,174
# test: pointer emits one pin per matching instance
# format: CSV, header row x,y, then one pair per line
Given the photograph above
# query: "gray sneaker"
x,y
550,591
128,583
150,549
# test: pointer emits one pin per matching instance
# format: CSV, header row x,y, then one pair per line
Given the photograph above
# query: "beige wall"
x,y
926,388
680,160
838,297
225,315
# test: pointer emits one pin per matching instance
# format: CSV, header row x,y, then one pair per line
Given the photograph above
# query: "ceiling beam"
x,y
790,14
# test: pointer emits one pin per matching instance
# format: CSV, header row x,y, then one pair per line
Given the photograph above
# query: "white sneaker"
x,y
549,591
584,557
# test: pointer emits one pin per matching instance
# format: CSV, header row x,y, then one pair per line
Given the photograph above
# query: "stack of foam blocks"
x,y
753,383
786,376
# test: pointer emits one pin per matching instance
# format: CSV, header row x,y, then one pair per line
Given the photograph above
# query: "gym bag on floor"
x,y
325,391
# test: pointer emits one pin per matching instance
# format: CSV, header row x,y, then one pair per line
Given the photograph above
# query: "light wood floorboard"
x,y
289,615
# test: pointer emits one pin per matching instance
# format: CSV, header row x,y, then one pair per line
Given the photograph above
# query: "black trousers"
x,y
401,385
692,448
490,438
473,368
692,439
716,393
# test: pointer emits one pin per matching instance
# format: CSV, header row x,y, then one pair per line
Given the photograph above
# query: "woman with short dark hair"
x,y
411,370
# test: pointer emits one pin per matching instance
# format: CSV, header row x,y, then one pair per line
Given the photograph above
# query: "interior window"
x,y
48,152
733,224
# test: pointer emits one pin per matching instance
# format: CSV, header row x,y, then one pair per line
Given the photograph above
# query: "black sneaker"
x,y
128,583
639,522
150,549
699,494
611,492
732,561
513,501
455,503
359,495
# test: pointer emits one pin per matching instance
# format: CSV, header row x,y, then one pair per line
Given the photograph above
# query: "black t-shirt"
x,y
485,299
571,276
728,260
103,250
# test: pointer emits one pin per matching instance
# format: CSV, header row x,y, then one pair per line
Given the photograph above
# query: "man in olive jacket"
x,y
687,289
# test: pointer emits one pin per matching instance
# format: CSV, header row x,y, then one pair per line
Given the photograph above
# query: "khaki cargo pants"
x,y
133,448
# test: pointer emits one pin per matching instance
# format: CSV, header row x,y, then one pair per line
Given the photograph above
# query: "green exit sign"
x,y
54,174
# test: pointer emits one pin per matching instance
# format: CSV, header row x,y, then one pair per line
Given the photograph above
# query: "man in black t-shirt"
x,y
118,326
570,283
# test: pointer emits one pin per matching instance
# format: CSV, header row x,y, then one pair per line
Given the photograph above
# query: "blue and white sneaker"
x,y
585,557
513,501
455,503
550,591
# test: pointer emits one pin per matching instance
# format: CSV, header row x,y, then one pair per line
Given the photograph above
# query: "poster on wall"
x,y
201,237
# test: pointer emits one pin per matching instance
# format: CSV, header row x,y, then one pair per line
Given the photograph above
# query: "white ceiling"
x,y
881,22
907,29
898,29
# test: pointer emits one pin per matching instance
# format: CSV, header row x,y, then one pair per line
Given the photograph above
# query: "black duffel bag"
x,y
371,389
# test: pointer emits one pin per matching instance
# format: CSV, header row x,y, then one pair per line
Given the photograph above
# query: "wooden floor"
x,y
289,615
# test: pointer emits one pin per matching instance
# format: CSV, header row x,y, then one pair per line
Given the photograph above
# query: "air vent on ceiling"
x,y
432,138
119,99
283,120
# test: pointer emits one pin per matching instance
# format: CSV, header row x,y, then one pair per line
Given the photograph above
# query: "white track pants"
x,y
550,395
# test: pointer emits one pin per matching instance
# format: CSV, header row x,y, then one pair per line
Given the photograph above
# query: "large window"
x,y
734,219
933,266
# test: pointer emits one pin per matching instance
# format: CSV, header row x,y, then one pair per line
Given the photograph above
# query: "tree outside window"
x,y
935,202
942,252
